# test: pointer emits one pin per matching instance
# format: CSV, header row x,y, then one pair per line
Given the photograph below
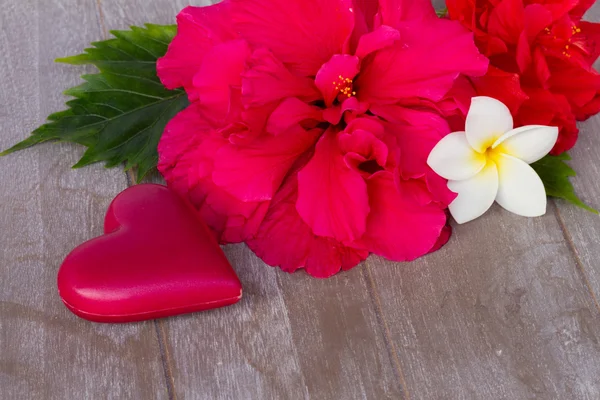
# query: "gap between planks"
x,y
159,329
571,244
165,357
383,325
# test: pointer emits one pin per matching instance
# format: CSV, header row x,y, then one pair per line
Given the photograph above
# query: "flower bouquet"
x,y
321,131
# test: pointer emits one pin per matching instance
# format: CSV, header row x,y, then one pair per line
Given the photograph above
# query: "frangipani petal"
x,y
453,158
528,143
488,119
521,190
475,195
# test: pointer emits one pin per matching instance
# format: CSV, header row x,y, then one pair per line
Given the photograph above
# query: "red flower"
x,y
549,48
310,126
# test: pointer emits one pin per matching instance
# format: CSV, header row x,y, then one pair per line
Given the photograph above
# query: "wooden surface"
x,y
508,310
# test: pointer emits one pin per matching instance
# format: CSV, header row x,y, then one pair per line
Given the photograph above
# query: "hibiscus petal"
x,y
334,114
521,190
285,240
256,117
413,117
398,227
504,86
220,71
420,133
265,83
580,9
233,220
579,86
507,20
326,253
380,38
181,134
365,144
394,12
591,31
487,120
372,125
302,34
528,143
545,108
475,195
398,72
438,187
536,18
453,158
254,172
332,75
366,11
290,112
267,80
332,198
186,156
523,53
198,30
443,239
455,105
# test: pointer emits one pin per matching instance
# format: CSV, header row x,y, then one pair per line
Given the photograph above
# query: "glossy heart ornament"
x,y
156,259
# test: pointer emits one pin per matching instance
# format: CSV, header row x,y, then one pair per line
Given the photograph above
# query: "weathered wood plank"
x,y
340,341
45,210
244,351
582,228
504,311
291,337
501,312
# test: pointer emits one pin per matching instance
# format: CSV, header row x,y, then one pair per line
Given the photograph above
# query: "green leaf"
x,y
555,174
120,113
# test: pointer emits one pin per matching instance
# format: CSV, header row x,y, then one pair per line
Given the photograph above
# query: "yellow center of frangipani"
x,y
490,154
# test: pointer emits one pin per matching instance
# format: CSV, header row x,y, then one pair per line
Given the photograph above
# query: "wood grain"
x,y
507,310
45,210
582,228
501,312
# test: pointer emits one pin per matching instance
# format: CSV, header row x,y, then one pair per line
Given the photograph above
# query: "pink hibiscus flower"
x,y
310,126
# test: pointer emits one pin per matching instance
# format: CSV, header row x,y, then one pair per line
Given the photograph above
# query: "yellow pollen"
x,y
344,86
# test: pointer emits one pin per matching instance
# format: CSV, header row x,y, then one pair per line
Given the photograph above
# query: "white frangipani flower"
x,y
490,162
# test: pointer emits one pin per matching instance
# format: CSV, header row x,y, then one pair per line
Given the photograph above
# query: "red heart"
x,y
156,259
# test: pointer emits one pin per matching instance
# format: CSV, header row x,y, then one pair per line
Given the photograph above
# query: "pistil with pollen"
x,y
344,86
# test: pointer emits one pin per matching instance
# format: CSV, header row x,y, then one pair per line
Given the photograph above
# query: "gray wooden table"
x,y
508,310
